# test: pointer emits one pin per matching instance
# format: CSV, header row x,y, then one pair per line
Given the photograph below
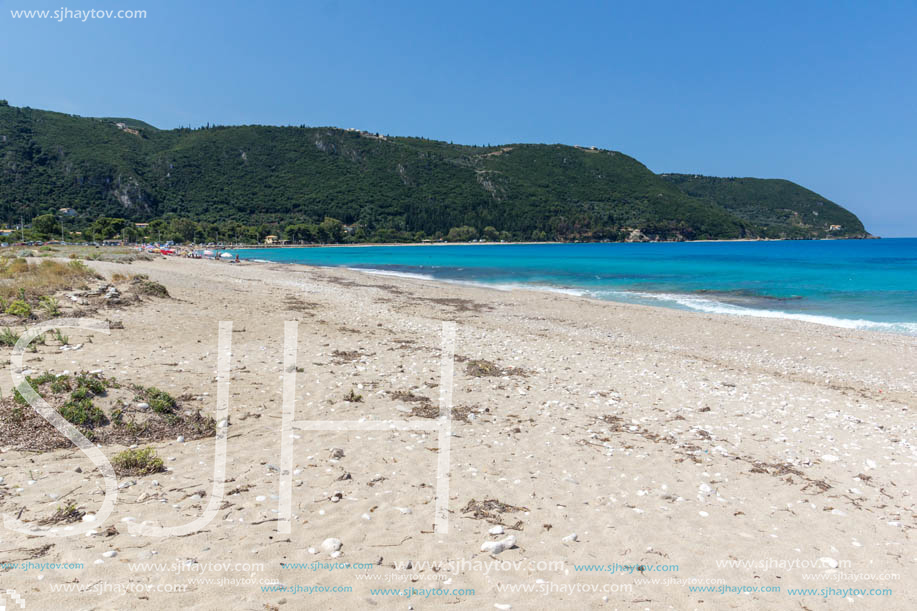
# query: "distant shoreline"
x,y
761,281
365,244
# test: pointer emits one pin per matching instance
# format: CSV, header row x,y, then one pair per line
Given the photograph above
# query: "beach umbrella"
x,y
226,255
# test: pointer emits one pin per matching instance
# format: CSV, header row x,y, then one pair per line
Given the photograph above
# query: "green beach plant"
x,y
8,337
141,461
49,305
20,308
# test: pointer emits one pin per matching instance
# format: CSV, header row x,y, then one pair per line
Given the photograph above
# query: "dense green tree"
x,y
105,228
46,225
183,230
302,232
462,234
331,231
131,234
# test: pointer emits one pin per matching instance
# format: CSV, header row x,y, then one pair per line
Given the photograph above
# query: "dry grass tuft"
x,y
19,277
408,397
490,509
64,515
460,413
340,357
144,286
480,368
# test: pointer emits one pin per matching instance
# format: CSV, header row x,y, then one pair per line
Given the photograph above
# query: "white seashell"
x,y
496,547
331,545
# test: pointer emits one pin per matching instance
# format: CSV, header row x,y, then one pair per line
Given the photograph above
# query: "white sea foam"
x,y
680,301
540,287
712,306
388,272
500,286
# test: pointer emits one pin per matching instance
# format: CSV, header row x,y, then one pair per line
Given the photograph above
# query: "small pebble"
x,y
331,545
496,547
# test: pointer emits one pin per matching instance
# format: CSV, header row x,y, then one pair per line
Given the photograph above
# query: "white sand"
x,y
696,402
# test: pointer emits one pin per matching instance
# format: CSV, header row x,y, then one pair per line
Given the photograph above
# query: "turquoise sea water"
x,y
869,284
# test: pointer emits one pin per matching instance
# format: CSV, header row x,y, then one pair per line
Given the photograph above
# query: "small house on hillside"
x,y
271,239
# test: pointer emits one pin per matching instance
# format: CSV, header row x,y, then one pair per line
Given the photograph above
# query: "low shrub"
x,y
49,305
82,412
137,462
160,401
19,308
8,337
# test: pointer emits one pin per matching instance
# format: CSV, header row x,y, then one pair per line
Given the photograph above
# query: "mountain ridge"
x,y
384,185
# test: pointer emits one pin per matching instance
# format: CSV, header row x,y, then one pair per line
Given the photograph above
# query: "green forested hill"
x,y
780,208
383,185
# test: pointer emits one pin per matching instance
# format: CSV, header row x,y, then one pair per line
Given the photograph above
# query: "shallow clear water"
x,y
848,283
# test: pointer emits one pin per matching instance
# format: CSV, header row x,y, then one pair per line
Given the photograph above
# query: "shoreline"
x,y
824,320
366,244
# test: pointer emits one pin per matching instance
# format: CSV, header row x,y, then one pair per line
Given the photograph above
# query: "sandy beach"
x,y
633,453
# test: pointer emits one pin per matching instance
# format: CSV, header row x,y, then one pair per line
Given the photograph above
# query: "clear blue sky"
x,y
822,93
